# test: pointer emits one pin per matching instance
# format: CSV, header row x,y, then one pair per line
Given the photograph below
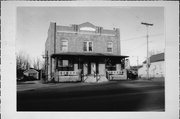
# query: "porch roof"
x,y
90,54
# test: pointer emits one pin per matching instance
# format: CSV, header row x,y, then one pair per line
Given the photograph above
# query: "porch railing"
x,y
109,74
115,72
68,73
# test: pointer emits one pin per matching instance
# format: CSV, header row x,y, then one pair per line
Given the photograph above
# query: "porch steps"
x,y
103,79
90,79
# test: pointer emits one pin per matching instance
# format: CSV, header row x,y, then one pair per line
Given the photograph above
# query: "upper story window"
x,y
64,45
88,46
110,47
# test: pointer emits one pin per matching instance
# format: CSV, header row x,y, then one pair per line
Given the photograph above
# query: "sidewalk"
x,y
31,85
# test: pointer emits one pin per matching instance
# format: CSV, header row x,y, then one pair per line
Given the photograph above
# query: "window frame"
x,y
110,46
64,46
69,67
87,47
110,65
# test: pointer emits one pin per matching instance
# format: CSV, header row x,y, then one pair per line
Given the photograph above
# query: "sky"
x,y
33,24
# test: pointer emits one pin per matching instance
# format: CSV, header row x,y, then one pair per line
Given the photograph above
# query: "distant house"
x,y
31,73
156,68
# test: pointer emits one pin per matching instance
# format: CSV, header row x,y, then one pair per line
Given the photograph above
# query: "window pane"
x,y
65,62
109,46
59,63
85,46
64,45
90,46
109,49
111,66
65,65
64,48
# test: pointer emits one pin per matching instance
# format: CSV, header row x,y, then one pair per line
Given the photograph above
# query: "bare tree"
x,y
22,60
37,63
22,63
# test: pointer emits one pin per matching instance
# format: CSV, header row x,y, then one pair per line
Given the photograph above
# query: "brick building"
x,y
83,52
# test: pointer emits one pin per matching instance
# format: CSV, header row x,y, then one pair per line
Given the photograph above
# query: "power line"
x,y
137,47
147,26
140,37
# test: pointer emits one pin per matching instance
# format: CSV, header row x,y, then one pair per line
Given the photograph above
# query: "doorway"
x,y
90,68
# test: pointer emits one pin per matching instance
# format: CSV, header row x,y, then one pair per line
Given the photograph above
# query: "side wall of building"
x,y
156,69
49,49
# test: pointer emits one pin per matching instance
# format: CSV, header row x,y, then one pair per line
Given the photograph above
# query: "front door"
x,y
89,68
85,68
93,68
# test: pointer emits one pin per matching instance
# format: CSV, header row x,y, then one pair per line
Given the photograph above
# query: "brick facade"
x,y
75,36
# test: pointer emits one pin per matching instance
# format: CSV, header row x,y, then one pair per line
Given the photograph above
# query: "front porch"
x,y
87,67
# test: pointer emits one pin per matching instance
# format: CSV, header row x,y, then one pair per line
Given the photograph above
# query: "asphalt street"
x,y
139,95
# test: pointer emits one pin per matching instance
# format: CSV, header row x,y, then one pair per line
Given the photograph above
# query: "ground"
x,y
131,95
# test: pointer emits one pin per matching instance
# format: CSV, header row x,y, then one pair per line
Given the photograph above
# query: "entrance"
x,y
90,68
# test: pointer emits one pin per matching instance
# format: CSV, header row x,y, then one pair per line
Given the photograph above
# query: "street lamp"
x,y
147,61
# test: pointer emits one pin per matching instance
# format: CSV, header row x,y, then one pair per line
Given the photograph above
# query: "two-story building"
x,y
83,52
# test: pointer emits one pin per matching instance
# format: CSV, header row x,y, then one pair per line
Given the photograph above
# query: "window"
x,y
109,47
88,46
85,46
65,65
64,45
110,65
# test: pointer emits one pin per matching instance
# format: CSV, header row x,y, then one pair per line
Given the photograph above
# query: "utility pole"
x,y
147,61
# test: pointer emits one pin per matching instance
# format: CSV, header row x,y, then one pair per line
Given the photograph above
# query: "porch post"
x,y
51,68
55,69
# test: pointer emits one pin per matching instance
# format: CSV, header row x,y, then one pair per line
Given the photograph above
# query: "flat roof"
x,y
156,58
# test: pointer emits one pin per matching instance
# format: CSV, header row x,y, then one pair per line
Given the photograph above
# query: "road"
x,y
109,96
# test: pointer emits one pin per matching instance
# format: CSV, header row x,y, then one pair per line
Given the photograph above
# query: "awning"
x,y
87,54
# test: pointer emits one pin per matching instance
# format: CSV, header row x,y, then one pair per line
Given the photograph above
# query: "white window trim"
x,y
62,47
111,46
88,46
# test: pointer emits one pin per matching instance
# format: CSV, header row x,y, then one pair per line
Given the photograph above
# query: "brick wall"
x,y
75,41
49,47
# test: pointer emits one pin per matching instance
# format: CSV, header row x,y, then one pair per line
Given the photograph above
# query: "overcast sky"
x,y
33,23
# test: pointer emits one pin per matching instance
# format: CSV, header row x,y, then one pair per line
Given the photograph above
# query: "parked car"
x,y
132,75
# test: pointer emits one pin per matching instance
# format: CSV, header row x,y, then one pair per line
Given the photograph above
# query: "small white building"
x,y
32,72
156,68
